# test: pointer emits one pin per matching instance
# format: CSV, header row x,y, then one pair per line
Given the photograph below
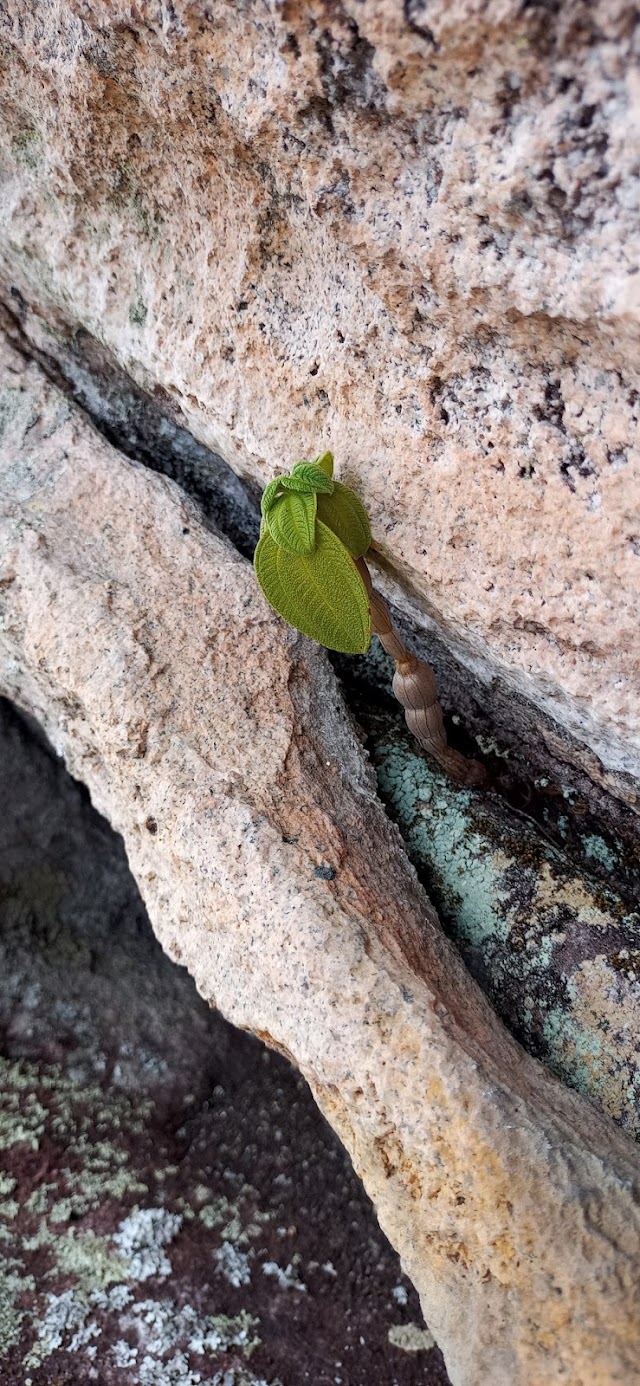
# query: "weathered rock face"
x,y
140,642
408,232
555,950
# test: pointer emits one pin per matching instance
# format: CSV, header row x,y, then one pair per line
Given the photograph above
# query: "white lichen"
x,y
66,1323
141,1239
124,1354
175,1372
233,1264
162,1326
286,1279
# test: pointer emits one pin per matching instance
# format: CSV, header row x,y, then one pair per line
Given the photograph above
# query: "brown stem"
x,y
414,685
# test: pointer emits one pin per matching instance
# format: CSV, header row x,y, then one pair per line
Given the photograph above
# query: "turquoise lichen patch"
x,y
542,939
438,829
598,850
575,1051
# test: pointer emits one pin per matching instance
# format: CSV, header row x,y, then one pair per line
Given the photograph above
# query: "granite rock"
x,y
406,232
216,742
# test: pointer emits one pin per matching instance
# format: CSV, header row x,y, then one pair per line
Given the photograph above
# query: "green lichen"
x,y
409,1337
515,905
13,1286
21,1123
223,1212
128,195
38,1200
598,850
28,148
89,1259
138,312
437,827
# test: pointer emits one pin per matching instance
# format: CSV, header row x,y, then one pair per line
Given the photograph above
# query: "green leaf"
x,y
325,462
269,494
315,477
345,514
321,594
295,482
291,521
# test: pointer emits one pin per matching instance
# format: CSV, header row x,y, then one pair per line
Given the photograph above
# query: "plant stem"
x,y
414,685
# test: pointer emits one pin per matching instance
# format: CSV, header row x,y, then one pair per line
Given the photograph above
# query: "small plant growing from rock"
x,y
309,562
313,529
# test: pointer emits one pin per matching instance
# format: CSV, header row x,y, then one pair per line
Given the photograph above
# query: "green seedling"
x,y
310,565
313,529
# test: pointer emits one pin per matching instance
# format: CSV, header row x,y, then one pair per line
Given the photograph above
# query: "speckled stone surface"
x,y
408,232
216,741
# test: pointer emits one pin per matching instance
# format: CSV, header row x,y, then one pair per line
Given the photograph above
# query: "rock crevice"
x,y
216,742
409,233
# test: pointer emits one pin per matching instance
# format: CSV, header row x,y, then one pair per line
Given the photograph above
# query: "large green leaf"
x,y
315,477
347,517
269,494
295,482
321,594
291,521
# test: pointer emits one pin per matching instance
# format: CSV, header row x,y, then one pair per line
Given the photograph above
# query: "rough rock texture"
x,y
171,1200
555,948
142,646
407,231
567,793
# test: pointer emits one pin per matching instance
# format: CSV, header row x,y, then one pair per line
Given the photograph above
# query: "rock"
x,y
408,232
155,1164
573,800
556,951
216,742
